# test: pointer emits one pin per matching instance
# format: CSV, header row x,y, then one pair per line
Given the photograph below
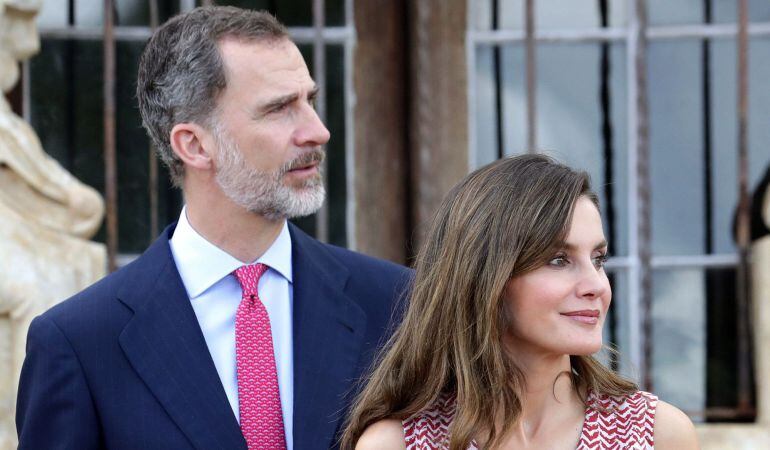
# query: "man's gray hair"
x,y
181,72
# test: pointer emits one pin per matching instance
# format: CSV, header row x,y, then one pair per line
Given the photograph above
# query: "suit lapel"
x,y
328,333
166,347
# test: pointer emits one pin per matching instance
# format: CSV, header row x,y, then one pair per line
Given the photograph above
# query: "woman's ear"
x,y
191,143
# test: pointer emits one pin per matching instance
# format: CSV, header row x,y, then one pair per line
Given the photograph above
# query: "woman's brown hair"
x,y
501,221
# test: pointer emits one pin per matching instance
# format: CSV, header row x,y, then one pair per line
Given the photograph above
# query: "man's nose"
x,y
311,131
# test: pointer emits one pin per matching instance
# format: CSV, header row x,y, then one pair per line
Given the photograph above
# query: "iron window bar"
x,y
497,37
300,35
635,35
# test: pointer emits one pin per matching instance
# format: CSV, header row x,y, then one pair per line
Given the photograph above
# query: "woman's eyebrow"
x,y
569,246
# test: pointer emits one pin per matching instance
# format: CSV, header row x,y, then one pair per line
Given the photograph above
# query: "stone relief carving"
x,y
46,217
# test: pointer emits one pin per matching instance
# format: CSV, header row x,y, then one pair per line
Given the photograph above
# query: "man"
x,y
234,329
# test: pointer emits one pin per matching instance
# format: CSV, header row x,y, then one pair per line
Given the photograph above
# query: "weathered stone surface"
x,y
438,105
41,268
381,163
46,215
18,37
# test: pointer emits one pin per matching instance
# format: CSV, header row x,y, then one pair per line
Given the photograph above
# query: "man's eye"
x,y
279,108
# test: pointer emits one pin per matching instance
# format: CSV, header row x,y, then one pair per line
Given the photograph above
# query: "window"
x,y
584,98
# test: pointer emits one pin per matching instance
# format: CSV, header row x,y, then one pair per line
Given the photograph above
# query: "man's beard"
x,y
264,193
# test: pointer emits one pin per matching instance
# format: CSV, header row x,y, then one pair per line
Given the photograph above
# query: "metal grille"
x,y
640,262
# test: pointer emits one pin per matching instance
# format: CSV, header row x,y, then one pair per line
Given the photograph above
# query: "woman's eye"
x,y
558,261
601,260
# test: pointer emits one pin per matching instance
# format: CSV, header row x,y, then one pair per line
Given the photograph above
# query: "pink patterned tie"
x,y
258,396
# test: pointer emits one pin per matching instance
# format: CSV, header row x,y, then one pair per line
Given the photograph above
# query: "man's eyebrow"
x,y
286,99
568,246
278,102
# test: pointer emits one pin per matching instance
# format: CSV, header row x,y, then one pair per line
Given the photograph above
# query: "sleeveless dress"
x,y
611,423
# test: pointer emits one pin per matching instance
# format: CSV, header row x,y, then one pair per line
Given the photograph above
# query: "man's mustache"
x,y
305,159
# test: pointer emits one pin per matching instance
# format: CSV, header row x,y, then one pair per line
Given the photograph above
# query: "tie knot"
x,y
248,277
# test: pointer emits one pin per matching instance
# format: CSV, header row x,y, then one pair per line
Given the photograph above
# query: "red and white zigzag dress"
x,y
610,423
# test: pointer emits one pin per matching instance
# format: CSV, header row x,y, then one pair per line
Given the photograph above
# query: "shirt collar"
x,y
202,264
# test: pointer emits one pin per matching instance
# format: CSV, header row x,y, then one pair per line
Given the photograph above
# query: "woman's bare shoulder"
x,y
385,434
673,429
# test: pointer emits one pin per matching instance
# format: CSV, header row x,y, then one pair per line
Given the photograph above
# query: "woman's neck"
x,y
549,401
547,383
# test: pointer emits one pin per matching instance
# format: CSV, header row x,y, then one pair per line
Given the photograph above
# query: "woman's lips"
x,y
587,316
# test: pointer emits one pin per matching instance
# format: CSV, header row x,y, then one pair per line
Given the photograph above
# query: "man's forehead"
x,y
259,71
272,62
281,51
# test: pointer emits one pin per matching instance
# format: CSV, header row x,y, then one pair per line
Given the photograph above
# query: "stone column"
x,y
381,162
438,104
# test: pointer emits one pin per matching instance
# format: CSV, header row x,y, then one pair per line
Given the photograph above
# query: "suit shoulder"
x,y
94,306
356,262
379,287
103,288
137,276
373,278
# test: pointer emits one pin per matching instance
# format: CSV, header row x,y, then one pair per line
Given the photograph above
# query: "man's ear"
x,y
192,144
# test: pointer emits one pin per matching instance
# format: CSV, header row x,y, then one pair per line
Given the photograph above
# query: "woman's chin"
x,y
586,349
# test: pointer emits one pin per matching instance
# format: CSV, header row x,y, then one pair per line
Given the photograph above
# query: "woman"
x,y
507,306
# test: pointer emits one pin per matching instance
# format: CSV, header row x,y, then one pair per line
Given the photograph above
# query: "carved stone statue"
x,y
46,217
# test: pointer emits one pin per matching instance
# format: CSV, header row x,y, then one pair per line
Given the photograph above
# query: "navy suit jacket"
x,y
124,365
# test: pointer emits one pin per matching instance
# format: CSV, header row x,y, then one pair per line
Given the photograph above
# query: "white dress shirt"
x,y
206,272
